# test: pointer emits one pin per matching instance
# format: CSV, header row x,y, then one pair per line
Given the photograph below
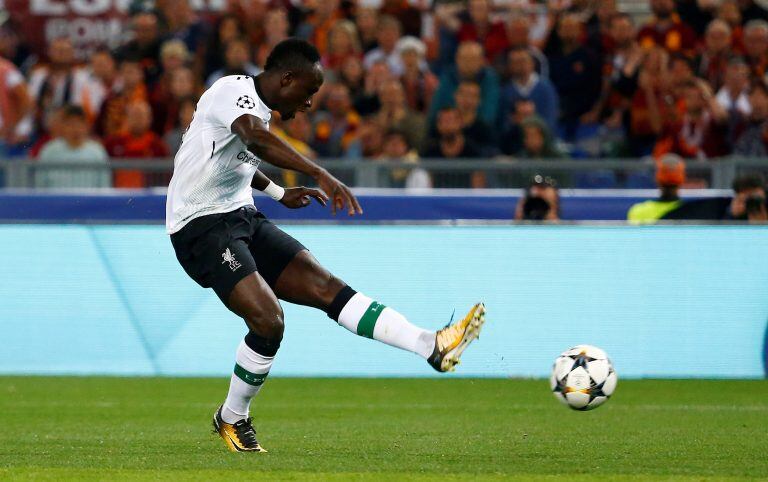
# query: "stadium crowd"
x,y
409,80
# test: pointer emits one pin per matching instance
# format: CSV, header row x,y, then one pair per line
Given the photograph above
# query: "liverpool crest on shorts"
x,y
229,257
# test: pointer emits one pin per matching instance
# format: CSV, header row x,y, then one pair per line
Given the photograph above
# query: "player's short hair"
x,y
292,54
748,181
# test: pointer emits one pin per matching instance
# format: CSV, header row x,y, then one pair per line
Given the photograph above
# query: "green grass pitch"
x,y
382,429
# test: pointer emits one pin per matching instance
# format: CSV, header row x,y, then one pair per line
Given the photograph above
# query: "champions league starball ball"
x,y
583,377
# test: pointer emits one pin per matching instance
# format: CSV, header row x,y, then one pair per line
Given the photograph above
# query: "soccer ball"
x,y
583,377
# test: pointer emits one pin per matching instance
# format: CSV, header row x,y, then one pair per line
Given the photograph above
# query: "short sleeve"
x,y
233,98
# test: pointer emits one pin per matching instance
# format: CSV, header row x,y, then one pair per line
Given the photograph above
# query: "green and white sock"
x,y
371,319
251,369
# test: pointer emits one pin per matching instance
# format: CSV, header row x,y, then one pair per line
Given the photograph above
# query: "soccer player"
x,y
223,243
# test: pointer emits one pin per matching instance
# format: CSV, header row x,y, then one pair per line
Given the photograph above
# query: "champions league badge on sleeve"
x,y
245,102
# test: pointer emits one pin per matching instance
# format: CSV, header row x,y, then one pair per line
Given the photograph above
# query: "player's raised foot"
x,y
239,436
451,341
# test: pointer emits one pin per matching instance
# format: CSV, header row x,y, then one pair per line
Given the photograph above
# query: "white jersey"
x,y
212,170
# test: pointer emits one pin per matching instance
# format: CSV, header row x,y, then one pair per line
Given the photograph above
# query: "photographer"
x,y
541,201
748,202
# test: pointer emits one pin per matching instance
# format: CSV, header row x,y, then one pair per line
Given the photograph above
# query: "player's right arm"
x,y
270,148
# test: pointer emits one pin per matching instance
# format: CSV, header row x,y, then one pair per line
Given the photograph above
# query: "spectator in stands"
x,y
367,22
541,201
478,132
13,48
701,132
297,132
729,12
352,75
251,16
101,78
371,142
15,106
367,101
343,43
236,62
651,100
598,27
713,60
734,95
54,124
173,137
756,47
129,88
511,139
397,148
575,72
620,64
667,30
276,29
336,126
395,114
74,145
389,32
752,131
318,24
57,83
670,175
680,73
408,15
748,202
526,84
182,85
183,24
419,83
173,56
451,141
145,46
537,140
137,142
519,36
227,28
470,65
480,27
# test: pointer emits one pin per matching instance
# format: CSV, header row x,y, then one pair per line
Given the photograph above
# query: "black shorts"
x,y
218,250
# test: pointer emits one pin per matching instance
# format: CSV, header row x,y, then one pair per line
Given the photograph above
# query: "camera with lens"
x,y
540,199
754,204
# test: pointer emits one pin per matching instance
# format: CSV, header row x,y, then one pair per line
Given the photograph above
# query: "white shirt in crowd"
x,y
213,168
740,103
58,151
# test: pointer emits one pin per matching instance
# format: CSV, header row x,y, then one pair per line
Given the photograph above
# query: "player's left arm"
x,y
293,197
270,148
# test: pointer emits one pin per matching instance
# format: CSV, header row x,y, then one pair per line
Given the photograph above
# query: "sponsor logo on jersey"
x,y
245,102
229,257
245,156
